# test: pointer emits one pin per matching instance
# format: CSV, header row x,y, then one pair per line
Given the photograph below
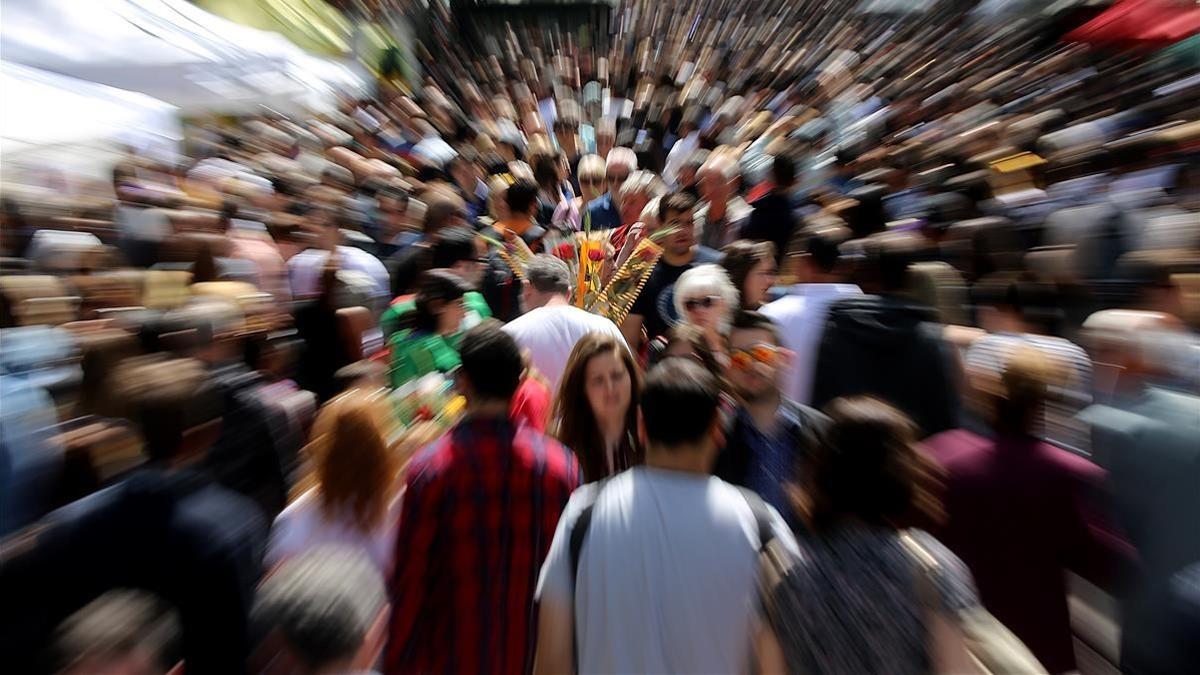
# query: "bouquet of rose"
x,y
427,399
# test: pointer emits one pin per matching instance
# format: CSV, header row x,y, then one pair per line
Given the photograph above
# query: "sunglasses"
x,y
692,304
743,359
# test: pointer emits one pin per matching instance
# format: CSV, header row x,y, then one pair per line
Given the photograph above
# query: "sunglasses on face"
x,y
743,359
692,304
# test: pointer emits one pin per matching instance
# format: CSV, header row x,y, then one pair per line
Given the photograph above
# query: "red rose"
x,y
595,255
424,413
564,251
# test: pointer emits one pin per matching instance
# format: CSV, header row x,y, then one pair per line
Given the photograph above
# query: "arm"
x,y
631,329
556,639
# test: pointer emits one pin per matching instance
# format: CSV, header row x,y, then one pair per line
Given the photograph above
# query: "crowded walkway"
x,y
784,337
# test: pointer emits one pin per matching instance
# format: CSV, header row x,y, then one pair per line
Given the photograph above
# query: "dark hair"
x,y
491,361
548,274
745,320
453,245
435,286
867,467
680,401
545,171
676,201
576,426
783,170
438,213
740,257
521,196
824,249
887,261
695,338
166,398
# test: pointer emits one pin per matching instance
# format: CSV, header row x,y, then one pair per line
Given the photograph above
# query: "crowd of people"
x,y
912,335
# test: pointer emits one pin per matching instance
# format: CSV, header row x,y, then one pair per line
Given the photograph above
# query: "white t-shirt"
x,y
800,316
303,526
667,579
550,333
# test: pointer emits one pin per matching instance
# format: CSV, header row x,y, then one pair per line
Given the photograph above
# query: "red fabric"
x,y
531,404
480,509
1150,24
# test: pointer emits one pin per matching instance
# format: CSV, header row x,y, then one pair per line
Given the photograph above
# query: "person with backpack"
x,y
656,568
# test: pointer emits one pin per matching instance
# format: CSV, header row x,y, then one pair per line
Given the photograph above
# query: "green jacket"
x,y
389,321
417,354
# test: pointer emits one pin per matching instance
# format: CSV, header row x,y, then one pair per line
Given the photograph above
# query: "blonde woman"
x,y
707,299
568,215
349,496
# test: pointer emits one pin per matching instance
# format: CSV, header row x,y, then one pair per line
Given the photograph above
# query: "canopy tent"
x,y
173,51
1140,24
54,122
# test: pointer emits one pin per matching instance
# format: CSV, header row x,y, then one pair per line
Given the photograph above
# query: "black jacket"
x,y
771,220
733,463
890,348
177,535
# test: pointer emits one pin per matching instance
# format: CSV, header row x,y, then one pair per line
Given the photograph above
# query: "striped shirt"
x,y
990,354
479,513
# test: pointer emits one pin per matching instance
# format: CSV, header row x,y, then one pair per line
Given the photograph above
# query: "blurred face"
x,y
681,240
759,281
607,385
713,186
631,207
452,315
472,270
592,186
615,175
704,310
687,175
754,363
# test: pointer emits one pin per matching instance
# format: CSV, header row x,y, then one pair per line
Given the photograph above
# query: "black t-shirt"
x,y
656,303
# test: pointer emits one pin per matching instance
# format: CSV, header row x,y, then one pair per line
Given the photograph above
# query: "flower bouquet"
x,y
427,399
626,283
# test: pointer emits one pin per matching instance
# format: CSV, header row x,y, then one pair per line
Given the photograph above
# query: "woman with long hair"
x,y
569,213
424,342
595,411
752,269
855,601
348,496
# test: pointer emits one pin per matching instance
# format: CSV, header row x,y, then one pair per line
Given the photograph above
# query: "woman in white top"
x,y
349,497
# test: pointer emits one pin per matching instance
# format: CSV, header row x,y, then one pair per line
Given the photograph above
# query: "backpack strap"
x,y
578,533
762,517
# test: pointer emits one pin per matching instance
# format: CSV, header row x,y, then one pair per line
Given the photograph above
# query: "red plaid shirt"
x,y
479,513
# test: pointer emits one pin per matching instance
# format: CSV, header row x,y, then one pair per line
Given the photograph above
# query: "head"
x,y
620,164
783,172
461,251
439,303
685,341
353,467
123,632
689,172
821,260
752,269
547,279
636,192
756,357
1017,406
719,179
173,403
491,367
606,136
868,468
443,211
592,181
522,200
705,297
888,257
464,170
676,212
599,387
679,411
324,607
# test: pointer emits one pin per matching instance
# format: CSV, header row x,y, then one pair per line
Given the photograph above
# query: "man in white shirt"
x,y
551,325
655,570
304,269
800,314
